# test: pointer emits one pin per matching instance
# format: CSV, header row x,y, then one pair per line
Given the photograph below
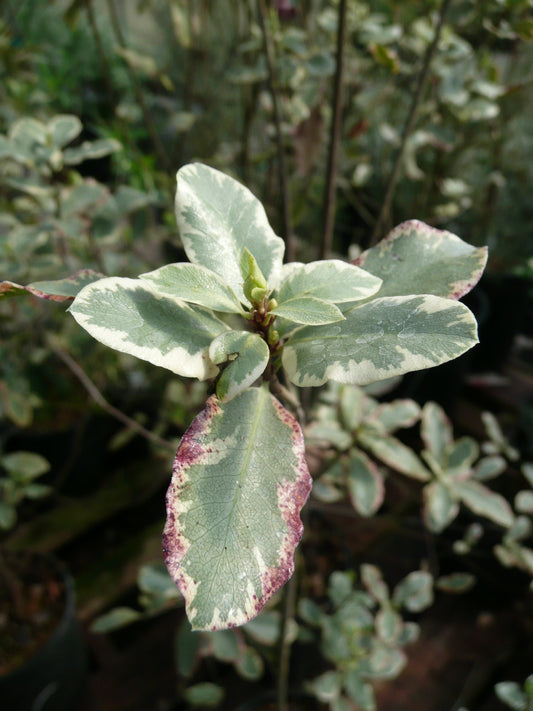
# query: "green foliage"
x,y
17,482
515,697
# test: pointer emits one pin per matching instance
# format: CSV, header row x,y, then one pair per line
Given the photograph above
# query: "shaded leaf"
x,y
415,591
393,415
484,502
365,483
440,507
127,315
239,482
115,619
417,258
204,694
456,582
372,579
436,430
90,150
394,453
63,129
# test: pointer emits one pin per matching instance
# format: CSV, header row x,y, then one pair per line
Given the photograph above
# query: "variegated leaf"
x,y
436,431
365,483
460,457
418,259
60,290
217,218
127,315
195,284
440,507
308,310
248,356
393,453
379,339
233,508
484,502
330,280
394,415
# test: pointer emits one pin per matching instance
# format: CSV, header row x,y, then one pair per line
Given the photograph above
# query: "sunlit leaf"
x,y
217,218
127,315
246,356
418,259
379,339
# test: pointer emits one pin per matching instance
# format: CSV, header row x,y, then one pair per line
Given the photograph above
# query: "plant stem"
x,y
282,163
384,213
148,120
334,140
104,404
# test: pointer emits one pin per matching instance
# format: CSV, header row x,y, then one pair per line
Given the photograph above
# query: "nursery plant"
x,y
237,315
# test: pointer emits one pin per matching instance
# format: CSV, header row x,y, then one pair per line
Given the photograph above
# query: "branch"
x,y
282,163
333,152
384,212
104,404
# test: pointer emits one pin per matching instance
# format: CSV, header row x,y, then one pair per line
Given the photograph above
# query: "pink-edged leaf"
x,y
60,290
418,259
239,482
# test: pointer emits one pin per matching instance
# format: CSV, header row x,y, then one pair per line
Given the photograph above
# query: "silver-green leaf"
x,y
233,508
127,315
247,355
330,280
217,218
380,339
195,284
308,310
418,259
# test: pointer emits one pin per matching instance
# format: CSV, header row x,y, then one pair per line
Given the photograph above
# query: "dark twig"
x,y
334,140
384,212
270,55
100,400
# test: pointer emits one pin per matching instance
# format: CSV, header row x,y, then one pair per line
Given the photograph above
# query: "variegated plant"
x,y
236,314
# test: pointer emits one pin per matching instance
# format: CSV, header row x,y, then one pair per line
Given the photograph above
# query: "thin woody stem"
x,y
104,404
384,212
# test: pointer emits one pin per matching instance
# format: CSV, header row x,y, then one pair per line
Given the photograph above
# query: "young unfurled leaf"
x,y
329,280
127,315
195,284
255,287
239,482
418,259
217,218
248,356
379,339
309,311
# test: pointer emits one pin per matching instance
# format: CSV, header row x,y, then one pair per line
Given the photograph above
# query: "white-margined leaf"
x,y
90,150
379,339
461,456
217,218
394,415
440,507
127,315
415,591
365,483
63,129
308,310
195,284
330,280
393,453
436,431
247,355
233,508
418,259
484,502
489,467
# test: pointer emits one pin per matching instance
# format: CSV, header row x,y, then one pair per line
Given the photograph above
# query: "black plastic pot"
x,y
52,678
